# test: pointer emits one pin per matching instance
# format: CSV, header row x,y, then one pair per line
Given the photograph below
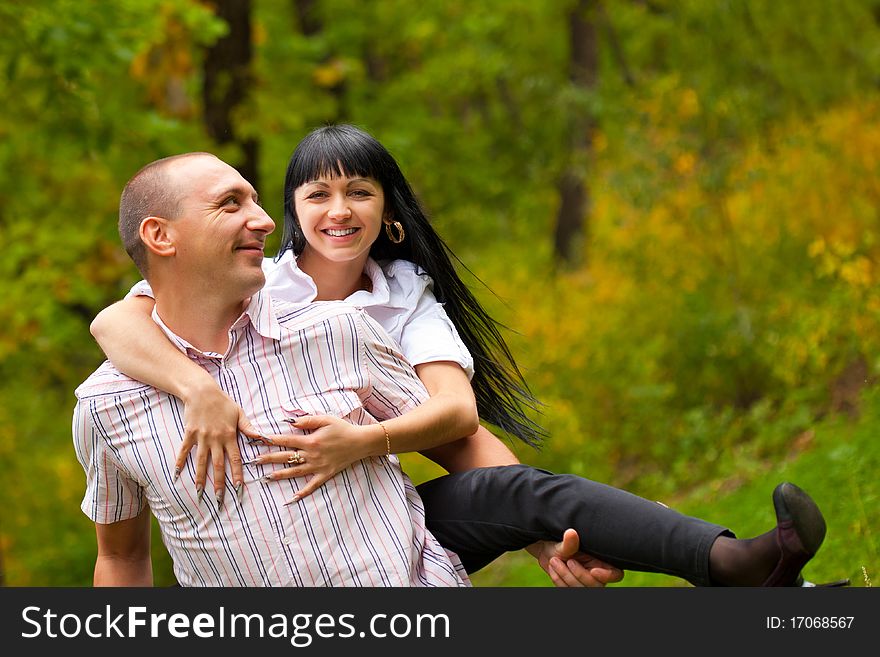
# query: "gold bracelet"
x,y
387,440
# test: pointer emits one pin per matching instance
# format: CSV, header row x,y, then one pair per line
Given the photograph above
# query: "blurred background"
x,y
674,207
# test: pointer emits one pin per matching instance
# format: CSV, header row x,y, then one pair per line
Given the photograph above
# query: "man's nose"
x,y
260,221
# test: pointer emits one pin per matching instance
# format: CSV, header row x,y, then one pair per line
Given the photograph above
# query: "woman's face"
x,y
340,217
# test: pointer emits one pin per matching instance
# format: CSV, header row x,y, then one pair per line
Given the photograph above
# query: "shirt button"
x,y
287,540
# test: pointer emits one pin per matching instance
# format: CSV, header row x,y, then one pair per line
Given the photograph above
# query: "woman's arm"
x,y
482,449
137,347
333,444
479,449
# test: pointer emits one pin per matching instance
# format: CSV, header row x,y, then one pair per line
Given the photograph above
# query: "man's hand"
x,y
568,567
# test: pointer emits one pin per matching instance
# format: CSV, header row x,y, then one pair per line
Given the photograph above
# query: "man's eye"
x,y
230,200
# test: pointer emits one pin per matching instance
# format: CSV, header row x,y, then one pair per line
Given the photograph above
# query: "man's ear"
x,y
155,236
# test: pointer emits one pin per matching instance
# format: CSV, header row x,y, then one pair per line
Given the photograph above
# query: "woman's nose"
x,y
339,209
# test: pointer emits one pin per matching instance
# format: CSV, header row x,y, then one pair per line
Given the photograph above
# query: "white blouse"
x,y
402,301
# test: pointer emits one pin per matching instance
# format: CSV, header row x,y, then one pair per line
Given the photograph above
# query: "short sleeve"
x,y
140,289
111,496
426,335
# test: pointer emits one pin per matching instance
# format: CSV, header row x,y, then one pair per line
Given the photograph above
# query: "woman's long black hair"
x,y
344,150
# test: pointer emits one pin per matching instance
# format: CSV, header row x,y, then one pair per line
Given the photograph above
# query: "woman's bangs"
x,y
334,159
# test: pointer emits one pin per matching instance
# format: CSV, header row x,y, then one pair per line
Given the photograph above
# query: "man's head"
x,y
193,218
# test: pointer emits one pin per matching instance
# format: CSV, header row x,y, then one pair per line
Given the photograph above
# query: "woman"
x,y
348,208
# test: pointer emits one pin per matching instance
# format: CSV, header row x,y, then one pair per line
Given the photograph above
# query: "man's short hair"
x,y
151,192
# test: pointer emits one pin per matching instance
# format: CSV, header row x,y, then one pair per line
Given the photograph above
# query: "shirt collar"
x,y
304,288
379,294
258,313
261,315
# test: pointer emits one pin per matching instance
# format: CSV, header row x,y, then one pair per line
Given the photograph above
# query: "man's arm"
x,y
124,552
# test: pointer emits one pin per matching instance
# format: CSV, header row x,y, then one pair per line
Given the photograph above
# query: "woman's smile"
x,y
341,232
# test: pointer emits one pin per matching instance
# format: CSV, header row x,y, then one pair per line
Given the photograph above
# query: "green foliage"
x,y
728,311
709,316
837,466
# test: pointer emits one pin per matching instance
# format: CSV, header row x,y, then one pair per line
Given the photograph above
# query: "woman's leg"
x,y
482,513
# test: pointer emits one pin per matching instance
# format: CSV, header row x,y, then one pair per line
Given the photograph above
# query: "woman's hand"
x,y
331,445
211,422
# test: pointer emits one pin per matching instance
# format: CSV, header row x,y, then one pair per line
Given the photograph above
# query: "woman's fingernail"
x,y
239,491
253,461
219,496
293,499
200,492
176,474
268,477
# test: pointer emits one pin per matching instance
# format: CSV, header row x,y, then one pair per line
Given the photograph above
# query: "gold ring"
x,y
296,459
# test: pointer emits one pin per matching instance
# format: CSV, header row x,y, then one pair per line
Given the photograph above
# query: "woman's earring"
x,y
398,229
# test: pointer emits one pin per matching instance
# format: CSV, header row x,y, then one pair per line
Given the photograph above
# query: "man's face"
x,y
221,229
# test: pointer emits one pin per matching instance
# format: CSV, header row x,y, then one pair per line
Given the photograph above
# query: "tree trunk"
x,y
227,83
305,14
572,221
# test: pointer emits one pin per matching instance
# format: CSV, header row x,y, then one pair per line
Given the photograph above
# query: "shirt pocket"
x,y
339,403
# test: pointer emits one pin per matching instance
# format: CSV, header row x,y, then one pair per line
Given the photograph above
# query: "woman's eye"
x,y
360,193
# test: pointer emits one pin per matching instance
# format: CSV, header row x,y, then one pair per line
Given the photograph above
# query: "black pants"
x,y
483,513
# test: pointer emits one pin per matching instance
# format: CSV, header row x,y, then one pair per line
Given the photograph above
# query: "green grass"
x,y
838,466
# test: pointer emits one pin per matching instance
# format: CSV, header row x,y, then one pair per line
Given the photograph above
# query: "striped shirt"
x,y
364,527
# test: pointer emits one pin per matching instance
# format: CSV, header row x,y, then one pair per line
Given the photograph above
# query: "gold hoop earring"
x,y
398,227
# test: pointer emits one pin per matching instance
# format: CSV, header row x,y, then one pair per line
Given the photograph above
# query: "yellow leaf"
x,y
328,75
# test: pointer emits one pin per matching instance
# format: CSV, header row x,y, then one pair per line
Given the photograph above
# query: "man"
x,y
194,228
366,528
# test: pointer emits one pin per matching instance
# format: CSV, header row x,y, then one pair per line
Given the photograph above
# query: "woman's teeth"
x,y
340,232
